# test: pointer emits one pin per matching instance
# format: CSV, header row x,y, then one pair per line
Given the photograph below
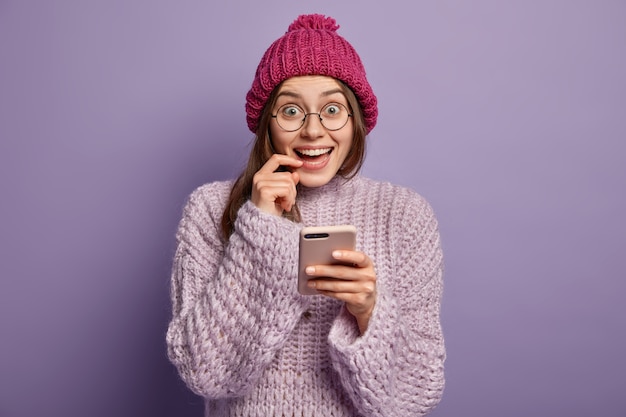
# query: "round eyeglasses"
x,y
333,116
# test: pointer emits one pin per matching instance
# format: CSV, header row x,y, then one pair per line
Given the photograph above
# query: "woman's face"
x,y
321,150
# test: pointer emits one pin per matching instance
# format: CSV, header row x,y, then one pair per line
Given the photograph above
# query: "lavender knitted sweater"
x,y
243,338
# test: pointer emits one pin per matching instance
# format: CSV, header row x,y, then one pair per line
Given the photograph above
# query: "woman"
x,y
241,336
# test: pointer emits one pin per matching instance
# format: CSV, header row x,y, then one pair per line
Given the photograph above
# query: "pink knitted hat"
x,y
311,46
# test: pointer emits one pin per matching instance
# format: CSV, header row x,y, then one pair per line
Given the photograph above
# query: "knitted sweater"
x,y
242,336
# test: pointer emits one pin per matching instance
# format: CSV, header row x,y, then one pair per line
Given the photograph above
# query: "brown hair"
x,y
262,151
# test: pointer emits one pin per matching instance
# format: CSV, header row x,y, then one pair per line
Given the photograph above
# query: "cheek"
x,y
346,144
276,140
347,136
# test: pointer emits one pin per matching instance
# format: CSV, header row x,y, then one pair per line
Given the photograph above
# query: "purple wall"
x,y
510,118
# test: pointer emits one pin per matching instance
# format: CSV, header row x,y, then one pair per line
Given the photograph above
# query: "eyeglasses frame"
x,y
319,115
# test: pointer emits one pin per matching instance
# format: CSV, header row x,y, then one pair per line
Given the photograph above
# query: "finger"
x,y
278,179
296,178
355,258
339,286
339,272
274,192
279,191
286,203
277,160
275,179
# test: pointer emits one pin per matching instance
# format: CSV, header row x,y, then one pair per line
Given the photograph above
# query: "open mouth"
x,y
312,155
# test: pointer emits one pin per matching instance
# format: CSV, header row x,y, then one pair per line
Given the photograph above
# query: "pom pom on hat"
x,y
313,21
311,46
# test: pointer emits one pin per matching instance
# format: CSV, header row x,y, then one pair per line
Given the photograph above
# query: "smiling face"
x,y
322,151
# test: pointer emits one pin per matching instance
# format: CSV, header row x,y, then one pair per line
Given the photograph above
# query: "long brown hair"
x,y
262,150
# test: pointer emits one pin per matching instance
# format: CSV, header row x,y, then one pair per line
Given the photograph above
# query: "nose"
x,y
313,127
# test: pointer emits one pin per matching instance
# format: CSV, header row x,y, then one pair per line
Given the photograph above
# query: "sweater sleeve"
x,y
396,367
234,303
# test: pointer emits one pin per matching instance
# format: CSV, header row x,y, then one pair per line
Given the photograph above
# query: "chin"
x,y
314,181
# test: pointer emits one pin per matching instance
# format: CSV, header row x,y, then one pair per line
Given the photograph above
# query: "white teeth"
x,y
314,152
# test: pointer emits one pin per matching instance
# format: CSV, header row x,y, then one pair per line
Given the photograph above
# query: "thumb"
x,y
296,178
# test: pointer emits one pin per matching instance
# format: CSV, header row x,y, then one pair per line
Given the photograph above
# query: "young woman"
x,y
241,336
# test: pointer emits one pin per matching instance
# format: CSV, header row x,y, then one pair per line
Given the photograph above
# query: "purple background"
x,y
510,117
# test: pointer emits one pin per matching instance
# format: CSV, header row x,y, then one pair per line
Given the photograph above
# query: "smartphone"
x,y
316,247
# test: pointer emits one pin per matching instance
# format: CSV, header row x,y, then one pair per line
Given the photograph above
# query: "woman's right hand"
x,y
275,191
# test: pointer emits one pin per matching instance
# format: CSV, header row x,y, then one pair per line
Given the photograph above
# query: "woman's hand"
x,y
275,191
353,283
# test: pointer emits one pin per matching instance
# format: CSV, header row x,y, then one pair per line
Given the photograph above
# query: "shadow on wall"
x,y
169,396
205,159
218,160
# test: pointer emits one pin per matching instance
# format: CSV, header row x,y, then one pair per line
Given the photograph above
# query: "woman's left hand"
x,y
354,282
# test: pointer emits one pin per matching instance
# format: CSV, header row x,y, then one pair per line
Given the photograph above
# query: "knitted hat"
x,y
311,46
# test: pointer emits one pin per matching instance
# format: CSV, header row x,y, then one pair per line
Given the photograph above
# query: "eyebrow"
x,y
323,94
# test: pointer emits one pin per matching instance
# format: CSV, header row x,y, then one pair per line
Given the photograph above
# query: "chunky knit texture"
x,y
243,338
311,46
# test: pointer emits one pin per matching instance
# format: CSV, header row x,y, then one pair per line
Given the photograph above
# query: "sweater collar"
x,y
333,188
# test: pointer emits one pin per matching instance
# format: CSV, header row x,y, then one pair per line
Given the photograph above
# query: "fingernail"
x,y
310,270
311,284
337,254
